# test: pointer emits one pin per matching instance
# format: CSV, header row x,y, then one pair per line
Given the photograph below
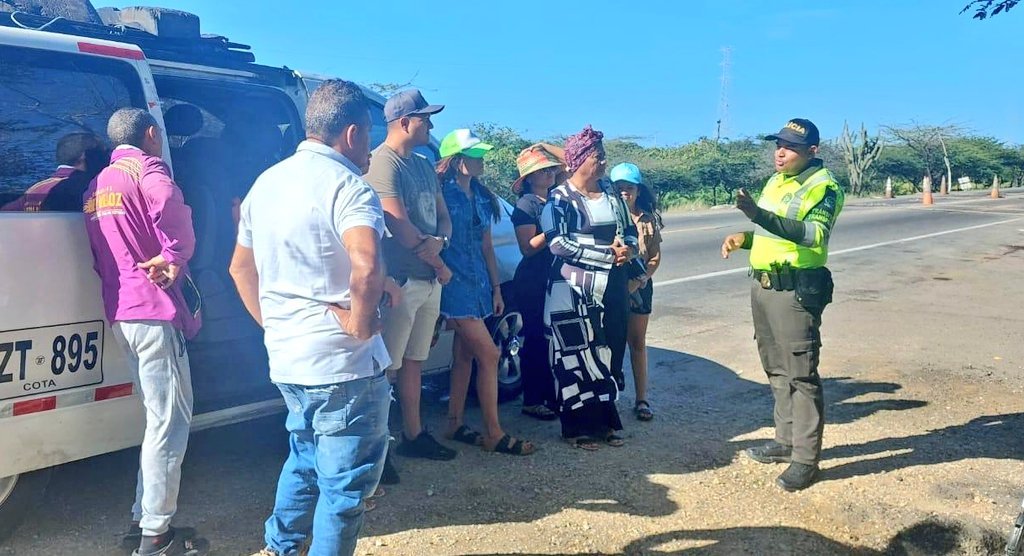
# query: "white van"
x,y
66,392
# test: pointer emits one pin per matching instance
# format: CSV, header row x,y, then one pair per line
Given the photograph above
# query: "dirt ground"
x,y
923,446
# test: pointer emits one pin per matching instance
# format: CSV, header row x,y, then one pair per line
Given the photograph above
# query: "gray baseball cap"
x,y
409,103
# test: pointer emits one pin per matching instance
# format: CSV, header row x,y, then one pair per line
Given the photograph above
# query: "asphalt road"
x,y
701,307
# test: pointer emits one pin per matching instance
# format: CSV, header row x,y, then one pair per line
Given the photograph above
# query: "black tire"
x,y
1014,546
17,500
505,333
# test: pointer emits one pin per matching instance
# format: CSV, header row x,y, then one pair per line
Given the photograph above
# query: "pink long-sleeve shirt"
x,y
134,212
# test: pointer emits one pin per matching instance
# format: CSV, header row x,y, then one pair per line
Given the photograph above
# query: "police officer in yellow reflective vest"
x,y
793,220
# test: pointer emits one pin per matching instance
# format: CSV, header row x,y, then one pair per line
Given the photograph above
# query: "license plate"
x,y
50,358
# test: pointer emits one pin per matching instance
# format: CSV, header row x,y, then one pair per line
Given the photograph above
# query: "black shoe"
x,y
131,539
390,475
797,476
772,452
424,446
176,542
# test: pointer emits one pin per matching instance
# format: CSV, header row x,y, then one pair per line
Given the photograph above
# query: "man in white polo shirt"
x,y
308,267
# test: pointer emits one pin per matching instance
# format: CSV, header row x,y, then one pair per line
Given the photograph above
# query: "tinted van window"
x,y
45,96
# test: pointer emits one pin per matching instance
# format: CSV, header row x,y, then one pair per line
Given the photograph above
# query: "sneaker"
x,y
131,539
424,446
772,452
797,476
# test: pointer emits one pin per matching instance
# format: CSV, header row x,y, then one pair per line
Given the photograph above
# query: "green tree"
x,y
987,8
500,168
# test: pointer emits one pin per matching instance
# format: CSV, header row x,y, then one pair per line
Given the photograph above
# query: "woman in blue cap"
x,y
474,292
643,208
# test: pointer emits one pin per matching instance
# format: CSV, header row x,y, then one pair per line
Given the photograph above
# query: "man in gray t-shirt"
x,y
417,218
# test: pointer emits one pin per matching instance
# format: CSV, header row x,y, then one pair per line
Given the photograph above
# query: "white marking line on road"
x,y
705,276
971,211
663,232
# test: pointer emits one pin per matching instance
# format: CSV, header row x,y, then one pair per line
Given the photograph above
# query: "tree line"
x,y
708,171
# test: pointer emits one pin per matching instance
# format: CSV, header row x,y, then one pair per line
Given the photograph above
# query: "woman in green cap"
x,y
474,292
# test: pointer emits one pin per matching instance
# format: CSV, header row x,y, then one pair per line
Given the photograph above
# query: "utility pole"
x,y
722,125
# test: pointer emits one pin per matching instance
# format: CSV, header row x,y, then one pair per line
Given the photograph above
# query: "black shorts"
x,y
640,301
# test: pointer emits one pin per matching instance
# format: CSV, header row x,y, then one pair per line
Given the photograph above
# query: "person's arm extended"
x,y
741,240
530,242
366,280
247,280
812,231
171,217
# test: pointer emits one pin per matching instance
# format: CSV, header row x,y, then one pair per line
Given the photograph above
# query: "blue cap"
x,y
626,172
409,103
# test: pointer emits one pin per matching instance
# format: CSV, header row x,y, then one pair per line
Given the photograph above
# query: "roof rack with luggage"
x,y
161,33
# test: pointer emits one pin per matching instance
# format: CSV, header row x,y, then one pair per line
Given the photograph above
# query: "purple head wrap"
x,y
578,147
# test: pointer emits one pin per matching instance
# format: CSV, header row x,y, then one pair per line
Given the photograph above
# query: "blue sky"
x,y
653,69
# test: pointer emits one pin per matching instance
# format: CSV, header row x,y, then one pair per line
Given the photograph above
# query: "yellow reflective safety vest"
x,y
797,197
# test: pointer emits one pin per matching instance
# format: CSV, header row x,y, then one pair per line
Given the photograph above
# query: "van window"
x,y
45,96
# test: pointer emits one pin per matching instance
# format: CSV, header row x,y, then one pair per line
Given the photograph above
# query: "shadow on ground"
x,y
926,538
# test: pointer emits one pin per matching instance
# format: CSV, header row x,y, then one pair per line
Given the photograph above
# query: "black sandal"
x,y
584,443
467,435
183,543
540,412
614,440
518,448
642,410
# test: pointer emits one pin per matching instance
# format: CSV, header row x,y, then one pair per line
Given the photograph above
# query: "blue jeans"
x,y
338,438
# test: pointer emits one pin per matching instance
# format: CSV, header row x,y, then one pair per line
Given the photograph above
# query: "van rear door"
x,y
65,390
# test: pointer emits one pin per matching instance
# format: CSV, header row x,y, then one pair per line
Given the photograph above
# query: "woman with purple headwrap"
x,y
589,232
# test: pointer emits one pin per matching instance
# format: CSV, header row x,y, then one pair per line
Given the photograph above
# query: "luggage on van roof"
x,y
162,33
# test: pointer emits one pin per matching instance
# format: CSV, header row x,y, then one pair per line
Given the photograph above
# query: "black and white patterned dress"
x,y
580,232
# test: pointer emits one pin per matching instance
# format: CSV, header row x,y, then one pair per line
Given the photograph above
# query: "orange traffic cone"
x,y
926,186
995,188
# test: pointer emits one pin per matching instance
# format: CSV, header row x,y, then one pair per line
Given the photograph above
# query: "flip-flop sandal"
x,y
642,410
369,504
517,448
584,443
540,412
467,435
184,543
614,440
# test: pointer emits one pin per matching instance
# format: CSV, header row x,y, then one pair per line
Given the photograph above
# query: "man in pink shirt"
x,y
140,231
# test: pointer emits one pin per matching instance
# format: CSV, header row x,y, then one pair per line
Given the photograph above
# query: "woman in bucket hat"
x,y
540,167
474,292
643,208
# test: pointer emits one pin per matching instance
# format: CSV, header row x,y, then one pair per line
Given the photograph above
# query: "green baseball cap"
x,y
464,142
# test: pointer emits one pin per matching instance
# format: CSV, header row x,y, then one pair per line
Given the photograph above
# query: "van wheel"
x,y
505,333
19,495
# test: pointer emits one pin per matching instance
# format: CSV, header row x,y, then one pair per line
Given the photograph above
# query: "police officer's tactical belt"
x,y
813,286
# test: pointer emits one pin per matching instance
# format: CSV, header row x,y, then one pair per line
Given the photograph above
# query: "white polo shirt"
x,y
293,219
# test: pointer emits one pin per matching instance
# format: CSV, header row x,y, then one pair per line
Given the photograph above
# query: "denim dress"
x,y
469,294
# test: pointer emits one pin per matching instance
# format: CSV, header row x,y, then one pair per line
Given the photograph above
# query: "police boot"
x,y
797,476
772,452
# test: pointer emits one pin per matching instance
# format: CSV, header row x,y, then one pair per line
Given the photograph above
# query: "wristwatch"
x,y
445,242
